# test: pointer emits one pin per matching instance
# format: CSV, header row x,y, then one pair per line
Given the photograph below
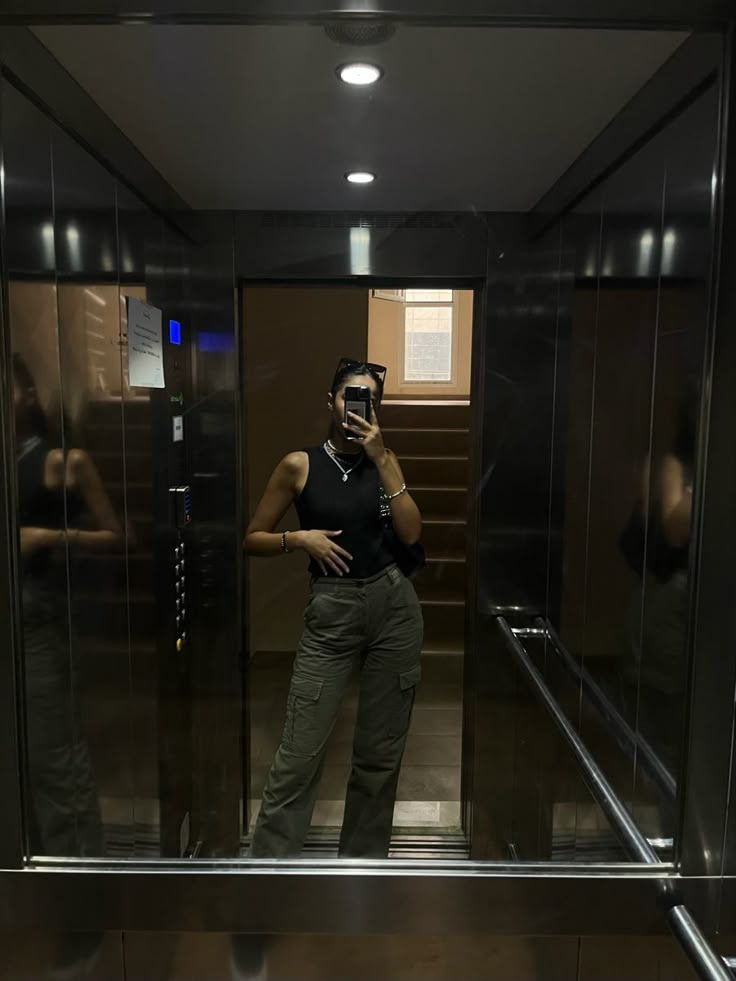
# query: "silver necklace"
x,y
332,454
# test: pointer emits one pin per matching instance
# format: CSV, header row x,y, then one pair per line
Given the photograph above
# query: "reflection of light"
x,y
47,235
359,73
107,261
646,244
360,177
94,296
590,269
93,316
72,237
360,251
127,262
669,241
214,342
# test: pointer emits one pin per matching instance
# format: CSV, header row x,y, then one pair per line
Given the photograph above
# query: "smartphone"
x,y
357,400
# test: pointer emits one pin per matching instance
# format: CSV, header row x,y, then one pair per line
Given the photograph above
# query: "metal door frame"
x,y
478,287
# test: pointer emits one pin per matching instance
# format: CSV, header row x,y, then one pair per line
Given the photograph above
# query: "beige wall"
x,y
386,346
293,339
49,321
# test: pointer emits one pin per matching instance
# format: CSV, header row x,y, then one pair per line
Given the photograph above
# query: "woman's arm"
x,y
405,515
287,481
676,501
280,493
83,474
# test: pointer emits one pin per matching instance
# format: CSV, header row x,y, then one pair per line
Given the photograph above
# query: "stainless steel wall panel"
x,y
633,958
29,955
328,897
220,957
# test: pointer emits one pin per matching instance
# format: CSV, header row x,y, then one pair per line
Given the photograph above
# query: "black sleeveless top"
x,y
40,506
353,506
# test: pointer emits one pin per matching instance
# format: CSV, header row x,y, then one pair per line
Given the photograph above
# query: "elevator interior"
x,y
590,340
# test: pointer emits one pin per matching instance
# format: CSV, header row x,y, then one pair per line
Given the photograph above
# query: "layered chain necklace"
x,y
332,452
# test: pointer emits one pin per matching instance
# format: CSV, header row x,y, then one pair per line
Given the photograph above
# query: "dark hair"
x,y
356,369
24,379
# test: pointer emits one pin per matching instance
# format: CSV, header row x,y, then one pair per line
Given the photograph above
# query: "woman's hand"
x,y
369,434
326,553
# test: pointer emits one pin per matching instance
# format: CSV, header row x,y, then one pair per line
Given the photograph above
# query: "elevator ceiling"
x,y
255,118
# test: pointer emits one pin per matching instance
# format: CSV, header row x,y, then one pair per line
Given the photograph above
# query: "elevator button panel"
x,y
181,500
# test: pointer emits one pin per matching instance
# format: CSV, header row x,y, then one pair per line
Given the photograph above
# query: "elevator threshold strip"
x,y
324,844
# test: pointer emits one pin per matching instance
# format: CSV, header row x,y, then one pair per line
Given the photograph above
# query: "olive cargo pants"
x,y
378,623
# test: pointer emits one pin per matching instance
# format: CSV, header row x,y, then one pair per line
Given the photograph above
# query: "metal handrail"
x,y
708,965
628,740
634,842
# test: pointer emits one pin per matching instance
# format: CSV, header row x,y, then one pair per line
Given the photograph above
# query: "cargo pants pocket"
x,y
404,699
304,728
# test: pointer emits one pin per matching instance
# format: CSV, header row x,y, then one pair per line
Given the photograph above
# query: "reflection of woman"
x,y
55,491
361,608
658,629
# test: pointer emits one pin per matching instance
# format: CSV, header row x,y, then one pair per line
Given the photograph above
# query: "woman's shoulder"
x,y
295,462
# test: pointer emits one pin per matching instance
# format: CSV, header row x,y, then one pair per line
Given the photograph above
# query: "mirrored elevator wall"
x,y
593,389
115,758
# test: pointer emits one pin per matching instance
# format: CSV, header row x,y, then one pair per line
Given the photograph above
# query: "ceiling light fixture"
x,y
359,73
360,177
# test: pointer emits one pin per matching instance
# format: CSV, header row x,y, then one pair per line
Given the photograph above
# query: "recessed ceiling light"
x,y
359,73
360,177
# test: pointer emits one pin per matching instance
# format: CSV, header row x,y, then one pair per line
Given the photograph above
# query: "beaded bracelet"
x,y
402,490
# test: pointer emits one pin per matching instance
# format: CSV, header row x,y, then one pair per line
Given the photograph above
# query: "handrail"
x,y
708,965
628,740
618,817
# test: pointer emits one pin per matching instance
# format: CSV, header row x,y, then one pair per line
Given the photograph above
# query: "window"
x,y
428,318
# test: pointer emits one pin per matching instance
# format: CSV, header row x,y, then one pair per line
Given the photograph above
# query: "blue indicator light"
x,y
174,332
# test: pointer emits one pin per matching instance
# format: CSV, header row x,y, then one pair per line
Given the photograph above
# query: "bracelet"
x,y
283,542
402,490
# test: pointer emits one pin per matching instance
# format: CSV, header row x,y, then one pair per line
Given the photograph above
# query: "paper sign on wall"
x,y
145,345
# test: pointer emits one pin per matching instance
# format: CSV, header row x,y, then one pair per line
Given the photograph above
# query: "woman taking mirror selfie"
x,y
360,529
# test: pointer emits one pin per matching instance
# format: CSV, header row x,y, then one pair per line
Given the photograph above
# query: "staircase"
x,y
431,440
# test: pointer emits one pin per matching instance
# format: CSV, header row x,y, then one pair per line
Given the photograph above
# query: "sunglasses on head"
x,y
377,369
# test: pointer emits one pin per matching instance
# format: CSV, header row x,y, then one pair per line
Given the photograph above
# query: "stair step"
x,y
425,415
441,577
443,648
442,534
447,501
107,412
430,471
427,442
444,624
441,667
